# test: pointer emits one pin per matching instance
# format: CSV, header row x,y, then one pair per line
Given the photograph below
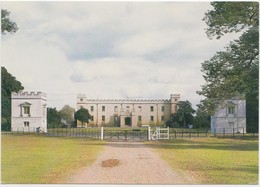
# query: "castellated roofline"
x,y
29,94
175,95
127,100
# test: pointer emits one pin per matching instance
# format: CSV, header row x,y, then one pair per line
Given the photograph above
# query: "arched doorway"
x,y
128,121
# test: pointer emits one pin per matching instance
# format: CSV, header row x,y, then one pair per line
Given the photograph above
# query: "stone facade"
x,y
29,111
230,117
128,112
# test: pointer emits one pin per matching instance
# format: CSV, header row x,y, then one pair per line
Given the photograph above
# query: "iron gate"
x,y
136,135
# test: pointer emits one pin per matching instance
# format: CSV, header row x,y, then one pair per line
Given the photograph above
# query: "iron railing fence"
x,y
135,134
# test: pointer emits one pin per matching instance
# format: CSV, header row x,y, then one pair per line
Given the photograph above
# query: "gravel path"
x,y
138,164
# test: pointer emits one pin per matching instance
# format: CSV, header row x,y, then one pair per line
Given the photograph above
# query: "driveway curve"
x,y
136,163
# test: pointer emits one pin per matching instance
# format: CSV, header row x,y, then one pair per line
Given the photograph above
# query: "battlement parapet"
x,y
175,95
29,94
128,100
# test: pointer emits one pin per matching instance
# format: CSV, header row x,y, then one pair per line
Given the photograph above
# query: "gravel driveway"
x,y
135,163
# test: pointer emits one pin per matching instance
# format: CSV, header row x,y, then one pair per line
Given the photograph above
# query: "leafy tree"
x,y
173,122
6,24
233,72
228,17
53,118
202,118
82,115
185,113
9,84
67,113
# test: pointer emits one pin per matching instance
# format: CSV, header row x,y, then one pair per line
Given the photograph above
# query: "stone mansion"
x,y
128,112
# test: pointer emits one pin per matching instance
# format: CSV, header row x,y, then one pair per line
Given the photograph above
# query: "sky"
x,y
109,50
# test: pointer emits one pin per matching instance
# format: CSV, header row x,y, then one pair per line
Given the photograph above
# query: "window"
x,y
103,118
127,108
139,118
231,110
162,118
91,118
91,108
151,118
139,109
81,99
175,100
103,108
231,124
26,123
151,108
26,109
162,108
115,108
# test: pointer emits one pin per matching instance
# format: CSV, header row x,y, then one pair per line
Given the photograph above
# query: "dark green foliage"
x,y
185,113
53,118
202,118
9,84
227,17
82,115
7,26
233,72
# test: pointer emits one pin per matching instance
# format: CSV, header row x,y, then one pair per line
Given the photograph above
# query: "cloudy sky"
x,y
109,49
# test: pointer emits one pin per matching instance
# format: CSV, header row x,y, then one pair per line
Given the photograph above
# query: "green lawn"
x,y
213,160
40,159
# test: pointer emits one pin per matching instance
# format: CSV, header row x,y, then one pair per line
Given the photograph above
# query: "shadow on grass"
x,y
224,144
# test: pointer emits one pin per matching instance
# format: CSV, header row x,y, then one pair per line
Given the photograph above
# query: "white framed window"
x,y
139,118
231,110
26,109
139,109
103,118
162,108
26,123
151,108
91,108
162,118
151,118
115,108
103,108
231,124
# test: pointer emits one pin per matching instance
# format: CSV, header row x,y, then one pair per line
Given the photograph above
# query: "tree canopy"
x,y
82,115
7,25
53,118
234,71
9,84
227,17
67,113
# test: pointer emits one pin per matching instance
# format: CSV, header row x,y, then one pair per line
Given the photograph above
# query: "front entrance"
x,y
128,121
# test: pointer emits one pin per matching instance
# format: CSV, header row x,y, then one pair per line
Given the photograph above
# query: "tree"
x,y
9,84
233,72
185,113
228,17
82,115
202,118
67,113
53,118
7,25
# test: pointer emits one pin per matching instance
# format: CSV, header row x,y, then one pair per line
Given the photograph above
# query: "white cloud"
x,y
108,49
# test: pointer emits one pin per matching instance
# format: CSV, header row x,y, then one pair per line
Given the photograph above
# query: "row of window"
x,y
127,108
116,118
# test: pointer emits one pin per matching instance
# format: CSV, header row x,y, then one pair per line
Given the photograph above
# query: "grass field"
x,y
31,159
213,160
